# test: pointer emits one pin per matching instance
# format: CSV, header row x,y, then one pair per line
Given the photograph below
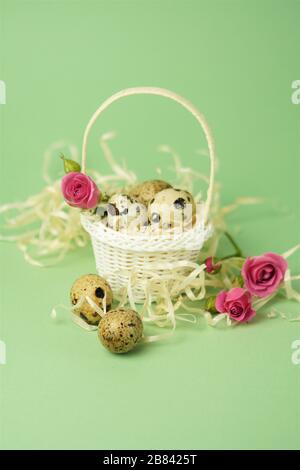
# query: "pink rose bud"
x,y
236,303
264,274
79,190
212,268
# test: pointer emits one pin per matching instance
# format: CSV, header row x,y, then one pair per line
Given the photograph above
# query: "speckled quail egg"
x,y
172,208
99,213
136,218
95,288
118,204
125,213
116,208
120,330
146,191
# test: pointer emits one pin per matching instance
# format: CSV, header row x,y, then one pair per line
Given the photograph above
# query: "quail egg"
x,y
95,288
120,330
172,208
146,191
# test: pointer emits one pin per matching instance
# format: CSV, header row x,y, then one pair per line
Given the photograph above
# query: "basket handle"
x,y
172,96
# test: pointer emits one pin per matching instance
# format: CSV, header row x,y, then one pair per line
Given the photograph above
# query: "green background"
x,y
236,61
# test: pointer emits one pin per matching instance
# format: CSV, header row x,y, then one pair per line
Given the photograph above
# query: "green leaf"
x,y
70,165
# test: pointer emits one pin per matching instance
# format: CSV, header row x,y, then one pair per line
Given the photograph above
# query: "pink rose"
x,y
263,274
236,303
79,190
211,267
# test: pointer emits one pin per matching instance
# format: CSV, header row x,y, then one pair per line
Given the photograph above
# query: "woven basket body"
x,y
121,257
133,261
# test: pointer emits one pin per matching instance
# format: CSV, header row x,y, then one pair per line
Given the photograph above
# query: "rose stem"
x,y
238,252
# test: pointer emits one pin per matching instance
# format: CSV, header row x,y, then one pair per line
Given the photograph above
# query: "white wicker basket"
x,y
143,257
